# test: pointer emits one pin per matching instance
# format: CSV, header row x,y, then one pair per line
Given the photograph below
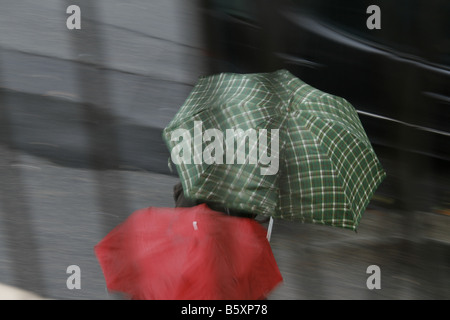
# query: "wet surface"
x,y
320,264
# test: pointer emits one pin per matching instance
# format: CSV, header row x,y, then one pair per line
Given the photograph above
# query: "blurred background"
x,y
82,112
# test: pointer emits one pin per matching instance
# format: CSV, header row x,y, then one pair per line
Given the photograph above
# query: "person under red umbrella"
x,y
188,253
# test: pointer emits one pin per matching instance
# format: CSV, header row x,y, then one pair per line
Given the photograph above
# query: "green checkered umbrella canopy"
x,y
270,144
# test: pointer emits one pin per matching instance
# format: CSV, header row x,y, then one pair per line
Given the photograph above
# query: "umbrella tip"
x,y
195,225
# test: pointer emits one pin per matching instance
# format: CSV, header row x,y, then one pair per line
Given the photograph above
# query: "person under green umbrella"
x,y
272,145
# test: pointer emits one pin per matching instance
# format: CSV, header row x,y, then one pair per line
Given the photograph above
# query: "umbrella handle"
x,y
169,164
269,229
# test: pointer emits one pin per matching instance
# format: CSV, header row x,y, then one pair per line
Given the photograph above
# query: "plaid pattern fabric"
x,y
327,171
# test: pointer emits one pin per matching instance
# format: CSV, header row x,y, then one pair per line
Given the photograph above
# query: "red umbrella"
x,y
188,254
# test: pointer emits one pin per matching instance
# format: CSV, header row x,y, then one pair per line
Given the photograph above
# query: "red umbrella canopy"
x,y
188,254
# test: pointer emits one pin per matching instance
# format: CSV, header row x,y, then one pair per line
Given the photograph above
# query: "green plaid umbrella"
x,y
270,144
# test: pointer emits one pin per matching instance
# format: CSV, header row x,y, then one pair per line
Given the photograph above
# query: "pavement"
x,y
80,149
